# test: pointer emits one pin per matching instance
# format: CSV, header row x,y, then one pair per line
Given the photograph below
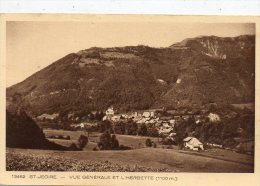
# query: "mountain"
x,y
191,73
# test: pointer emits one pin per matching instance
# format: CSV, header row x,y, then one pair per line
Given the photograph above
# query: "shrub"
x,y
114,143
123,147
73,147
60,137
148,142
82,141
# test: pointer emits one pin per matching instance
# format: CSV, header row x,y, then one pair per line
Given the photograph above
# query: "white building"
x,y
165,130
116,118
193,143
110,111
214,117
148,114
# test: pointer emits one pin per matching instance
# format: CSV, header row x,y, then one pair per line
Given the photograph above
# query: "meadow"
x,y
138,159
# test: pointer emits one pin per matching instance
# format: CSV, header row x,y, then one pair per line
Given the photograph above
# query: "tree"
x,y
82,141
99,115
152,131
131,128
143,130
119,128
114,142
108,142
105,141
148,142
104,126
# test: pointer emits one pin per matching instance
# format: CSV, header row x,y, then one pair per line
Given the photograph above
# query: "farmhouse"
x,y
192,143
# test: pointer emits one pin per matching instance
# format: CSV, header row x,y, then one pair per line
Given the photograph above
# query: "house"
x,y
153,121
82,125
110,111
48,116
245,145
172,136
104,118
166,125
79,125
146,114
143,120
116,118
137,118
192,143
135,114
213,117
214,145
172,121
165,130
94,112
186,117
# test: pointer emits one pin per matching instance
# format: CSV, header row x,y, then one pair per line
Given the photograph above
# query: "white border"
x,y
166,7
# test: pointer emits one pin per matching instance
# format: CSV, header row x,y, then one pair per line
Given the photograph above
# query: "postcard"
x,y
129,99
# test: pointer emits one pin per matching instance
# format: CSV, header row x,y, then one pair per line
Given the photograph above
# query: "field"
x,y
250,106
140,159
134,142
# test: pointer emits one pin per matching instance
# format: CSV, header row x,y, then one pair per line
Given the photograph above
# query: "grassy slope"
x,y
173,159
150,157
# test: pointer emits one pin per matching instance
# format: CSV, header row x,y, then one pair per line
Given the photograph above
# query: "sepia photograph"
x,y
126,96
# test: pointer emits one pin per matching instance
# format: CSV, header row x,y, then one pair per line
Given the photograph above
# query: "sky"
x,y
31,45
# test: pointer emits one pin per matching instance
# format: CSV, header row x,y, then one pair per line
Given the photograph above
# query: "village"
x,y
157,124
